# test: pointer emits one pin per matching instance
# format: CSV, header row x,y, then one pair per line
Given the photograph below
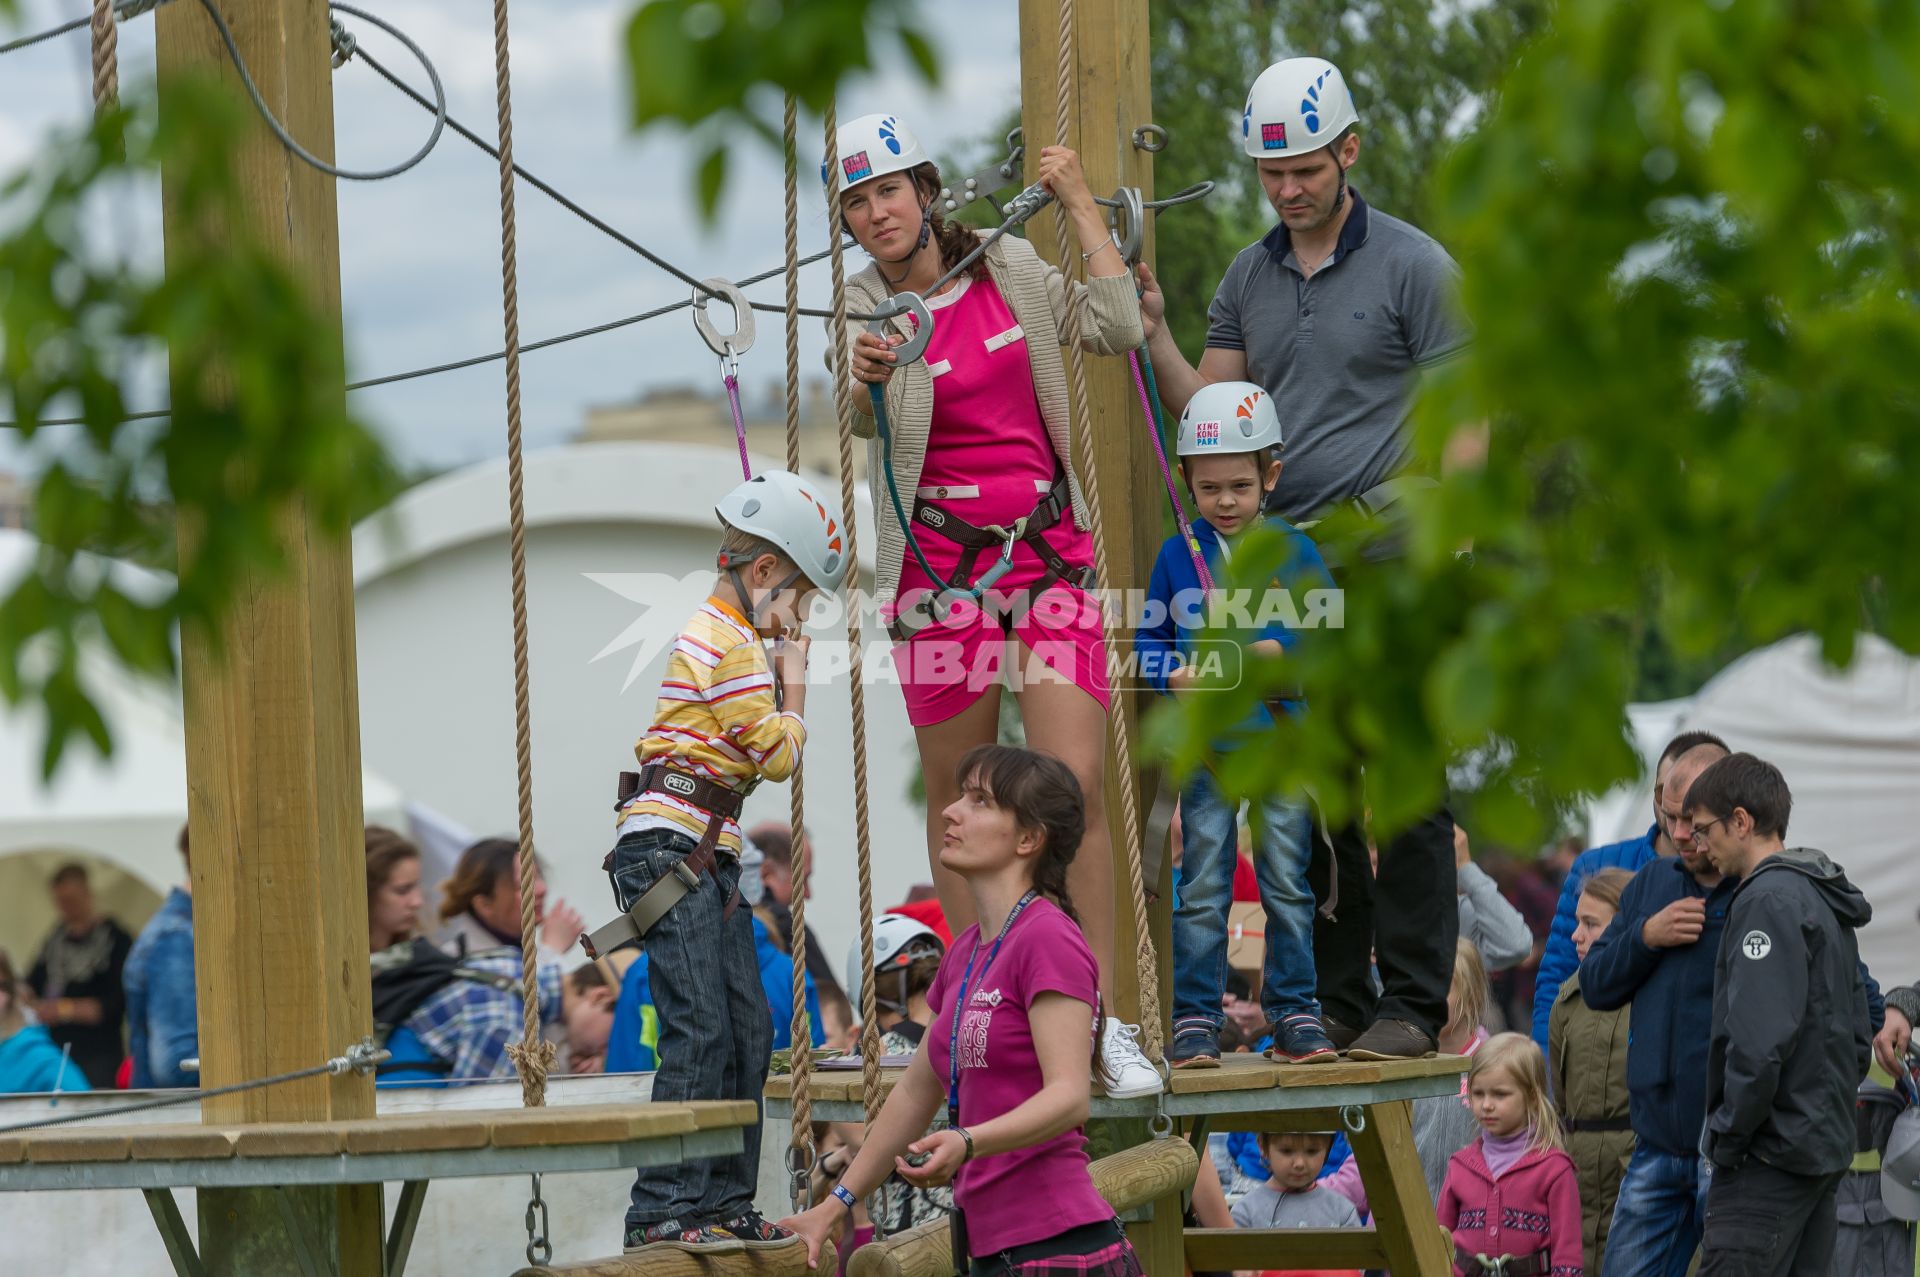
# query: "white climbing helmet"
x,y
783,510
1227,417
898,942
874,146
1296,107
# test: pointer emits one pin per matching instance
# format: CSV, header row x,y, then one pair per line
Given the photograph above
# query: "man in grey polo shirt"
x,y
1334,312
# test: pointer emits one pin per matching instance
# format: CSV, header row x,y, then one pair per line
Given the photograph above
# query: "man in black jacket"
x,y
1792,1032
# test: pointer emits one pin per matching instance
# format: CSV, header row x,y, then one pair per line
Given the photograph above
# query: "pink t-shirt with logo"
x,y
1030,1194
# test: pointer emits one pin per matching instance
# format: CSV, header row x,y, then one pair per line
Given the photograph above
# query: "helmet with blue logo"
x,y
1227,417
874,146
1296,107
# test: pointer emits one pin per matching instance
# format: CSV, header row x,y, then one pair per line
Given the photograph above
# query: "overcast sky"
x,y
420,253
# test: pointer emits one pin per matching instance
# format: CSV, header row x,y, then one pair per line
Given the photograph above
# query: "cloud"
x,y
420,255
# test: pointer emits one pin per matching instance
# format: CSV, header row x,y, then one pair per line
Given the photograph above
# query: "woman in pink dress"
x,y
983,466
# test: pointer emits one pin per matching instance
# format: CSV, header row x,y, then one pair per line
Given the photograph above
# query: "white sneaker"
x,y
1130,1073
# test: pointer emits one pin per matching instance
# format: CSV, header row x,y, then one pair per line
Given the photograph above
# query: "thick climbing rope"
x,y
863,842
1150,1035
800,1147
532,1055
106,60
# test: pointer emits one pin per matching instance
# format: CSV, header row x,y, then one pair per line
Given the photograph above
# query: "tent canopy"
x,y
1848,742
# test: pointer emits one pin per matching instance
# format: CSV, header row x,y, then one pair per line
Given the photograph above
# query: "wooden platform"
x,y
371,1150
1242,1085
1368,1101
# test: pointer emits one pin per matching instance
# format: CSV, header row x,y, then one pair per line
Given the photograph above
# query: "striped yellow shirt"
x,y
716,718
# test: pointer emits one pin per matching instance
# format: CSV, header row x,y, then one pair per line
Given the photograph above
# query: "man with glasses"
x,y
1791,1033
1559,960
1658,954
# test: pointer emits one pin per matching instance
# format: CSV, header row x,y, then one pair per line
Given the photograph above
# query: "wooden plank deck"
x,y
365,1150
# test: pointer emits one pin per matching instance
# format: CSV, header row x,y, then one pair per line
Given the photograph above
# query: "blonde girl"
x,y
1511,1200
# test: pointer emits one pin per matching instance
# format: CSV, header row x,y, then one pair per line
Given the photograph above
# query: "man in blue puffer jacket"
x,y
1559,960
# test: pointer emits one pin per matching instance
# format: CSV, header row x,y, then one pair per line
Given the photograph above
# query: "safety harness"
x,y
721,804
974,541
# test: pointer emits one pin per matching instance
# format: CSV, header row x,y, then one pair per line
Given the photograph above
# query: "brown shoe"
x,y
1341,1035
1392,1040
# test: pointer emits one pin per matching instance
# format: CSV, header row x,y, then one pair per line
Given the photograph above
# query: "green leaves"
x,y
258,420
1686,232
720,68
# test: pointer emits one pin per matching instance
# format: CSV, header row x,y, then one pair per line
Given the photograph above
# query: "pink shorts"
x,y
949,665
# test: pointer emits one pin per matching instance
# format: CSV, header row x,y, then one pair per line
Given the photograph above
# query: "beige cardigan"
x,y
1110,325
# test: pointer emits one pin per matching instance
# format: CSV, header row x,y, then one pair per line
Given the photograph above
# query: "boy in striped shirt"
x,y
727,718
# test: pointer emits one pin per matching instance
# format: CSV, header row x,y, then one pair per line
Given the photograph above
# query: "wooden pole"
x,y
1112,96
272,715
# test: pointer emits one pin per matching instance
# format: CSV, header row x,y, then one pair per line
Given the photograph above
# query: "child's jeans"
x,y
716,1034
1210,844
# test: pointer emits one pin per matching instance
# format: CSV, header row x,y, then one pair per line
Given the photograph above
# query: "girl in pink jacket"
x,y
1511,1201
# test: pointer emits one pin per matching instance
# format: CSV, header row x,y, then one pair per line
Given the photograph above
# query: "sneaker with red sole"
x,y
1196,1045
1299,1039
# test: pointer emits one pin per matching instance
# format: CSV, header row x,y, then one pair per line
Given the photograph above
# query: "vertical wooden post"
x,y
272,715
1112,96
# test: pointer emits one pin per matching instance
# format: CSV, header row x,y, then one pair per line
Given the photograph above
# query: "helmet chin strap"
x,y
753,609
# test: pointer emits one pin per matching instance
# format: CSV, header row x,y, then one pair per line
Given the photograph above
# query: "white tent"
x,y
121,813
1849,745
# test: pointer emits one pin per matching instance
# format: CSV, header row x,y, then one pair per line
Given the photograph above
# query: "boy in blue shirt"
x,y
1229,448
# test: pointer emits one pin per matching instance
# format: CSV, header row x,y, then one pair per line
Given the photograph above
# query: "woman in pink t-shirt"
x,y
980,440
1015,1008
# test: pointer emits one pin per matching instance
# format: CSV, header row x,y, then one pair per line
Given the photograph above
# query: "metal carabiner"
x,y
1003,564
729,346
801,1162
539,1248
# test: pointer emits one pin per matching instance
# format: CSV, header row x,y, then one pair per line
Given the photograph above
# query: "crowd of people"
x,y
1666,1038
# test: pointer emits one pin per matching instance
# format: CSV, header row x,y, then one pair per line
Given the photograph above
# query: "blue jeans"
x,y
1209,847
716,1034
1658,1218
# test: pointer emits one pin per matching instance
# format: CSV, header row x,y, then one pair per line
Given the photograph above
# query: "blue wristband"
x,y
844,1197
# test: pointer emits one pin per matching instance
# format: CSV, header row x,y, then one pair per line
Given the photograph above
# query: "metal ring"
x,y
1129,223
740,340
1160,1126
801,1160
904,304
1354,1118
1150,138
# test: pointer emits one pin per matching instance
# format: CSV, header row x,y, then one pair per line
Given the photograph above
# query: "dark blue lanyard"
x,y
960,1005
